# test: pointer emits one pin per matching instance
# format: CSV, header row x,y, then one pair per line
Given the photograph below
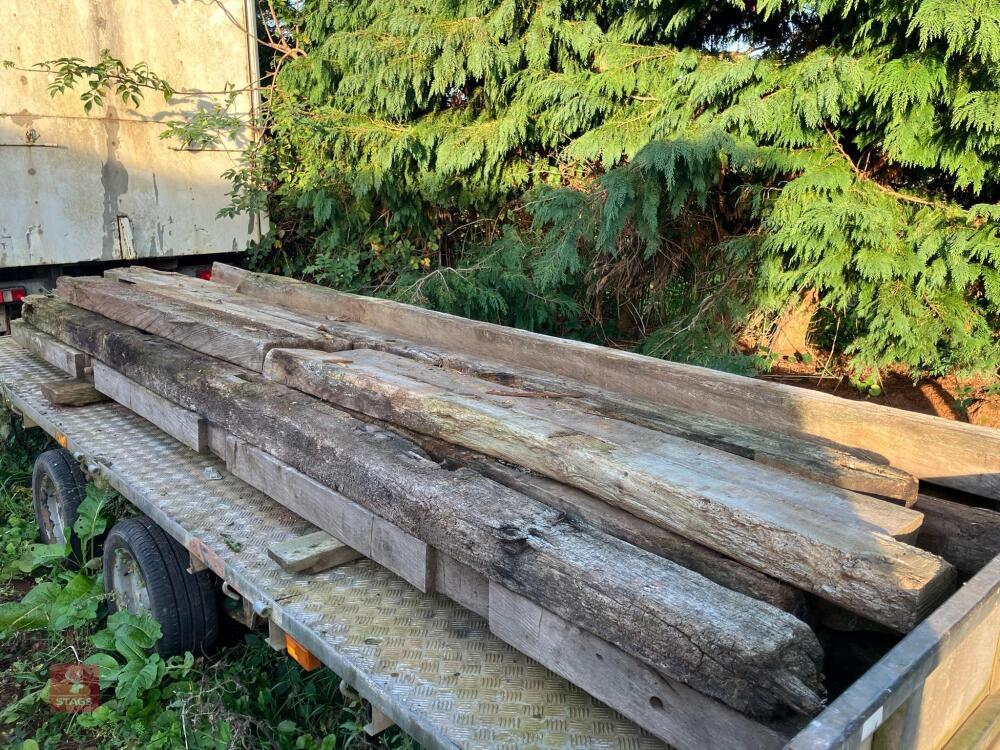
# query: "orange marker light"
x,y
301,654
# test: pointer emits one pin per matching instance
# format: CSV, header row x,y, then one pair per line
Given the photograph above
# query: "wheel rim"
x,y
128,583
54,522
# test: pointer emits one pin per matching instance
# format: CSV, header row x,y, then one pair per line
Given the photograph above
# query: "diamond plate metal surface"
x,y
428,663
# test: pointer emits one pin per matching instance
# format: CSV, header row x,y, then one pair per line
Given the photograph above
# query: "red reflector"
x,y
205,274
18,294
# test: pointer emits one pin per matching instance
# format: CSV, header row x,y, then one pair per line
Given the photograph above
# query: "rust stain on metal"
x,y
204,553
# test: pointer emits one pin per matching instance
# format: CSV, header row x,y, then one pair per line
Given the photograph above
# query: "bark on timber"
x,y
744,652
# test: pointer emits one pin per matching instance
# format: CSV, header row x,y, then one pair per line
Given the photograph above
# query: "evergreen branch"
x,y
863,175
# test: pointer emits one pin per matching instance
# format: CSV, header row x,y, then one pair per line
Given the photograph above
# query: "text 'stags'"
x,y
74,688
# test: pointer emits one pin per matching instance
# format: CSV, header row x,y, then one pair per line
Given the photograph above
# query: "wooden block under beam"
x,y
379,723
181,424
359,528
312,553
71,393
71,361
404,554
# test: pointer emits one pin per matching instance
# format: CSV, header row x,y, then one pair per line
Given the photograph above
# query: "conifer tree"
x,y
660,174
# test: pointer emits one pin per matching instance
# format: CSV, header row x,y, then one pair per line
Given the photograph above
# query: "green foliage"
x,y
658,174
663,175
109,76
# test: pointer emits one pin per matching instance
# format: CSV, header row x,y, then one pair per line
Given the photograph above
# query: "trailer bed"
x,y
427,663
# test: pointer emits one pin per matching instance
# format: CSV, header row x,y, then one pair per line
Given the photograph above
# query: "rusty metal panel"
x,y
105,186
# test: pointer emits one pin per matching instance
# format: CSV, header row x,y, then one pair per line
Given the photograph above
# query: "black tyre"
x,y
57,489
147,570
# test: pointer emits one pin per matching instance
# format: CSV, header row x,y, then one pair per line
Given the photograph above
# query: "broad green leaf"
x,y
39,555
90,521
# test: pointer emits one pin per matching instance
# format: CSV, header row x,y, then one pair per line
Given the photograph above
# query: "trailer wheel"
x,y
147,570
57,489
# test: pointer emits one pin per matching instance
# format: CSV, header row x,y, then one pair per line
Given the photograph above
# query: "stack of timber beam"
x,y
690,528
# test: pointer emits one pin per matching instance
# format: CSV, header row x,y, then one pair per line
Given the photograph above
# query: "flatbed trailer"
x,y
433,667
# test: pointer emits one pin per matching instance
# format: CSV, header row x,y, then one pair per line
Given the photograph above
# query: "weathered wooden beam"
x,y
622,524
966,536
799,454
71,393
227,275
841,506
183,425
312,553
744,652
941,451
220,335
57,354
824,540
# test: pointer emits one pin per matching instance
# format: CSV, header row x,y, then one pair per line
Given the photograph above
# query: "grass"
x,y
243,696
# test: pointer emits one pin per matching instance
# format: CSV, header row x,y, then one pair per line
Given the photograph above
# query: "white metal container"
x,y
78,188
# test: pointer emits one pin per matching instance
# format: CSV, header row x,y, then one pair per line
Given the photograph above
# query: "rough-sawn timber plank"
x,y
954,454
312,553
217,334
748,654
830,547
809,457
183,425
74,363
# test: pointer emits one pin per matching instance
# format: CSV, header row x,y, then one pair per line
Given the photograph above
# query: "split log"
x,y
744,652
823,540
966,536
953,454
218,334
800,455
